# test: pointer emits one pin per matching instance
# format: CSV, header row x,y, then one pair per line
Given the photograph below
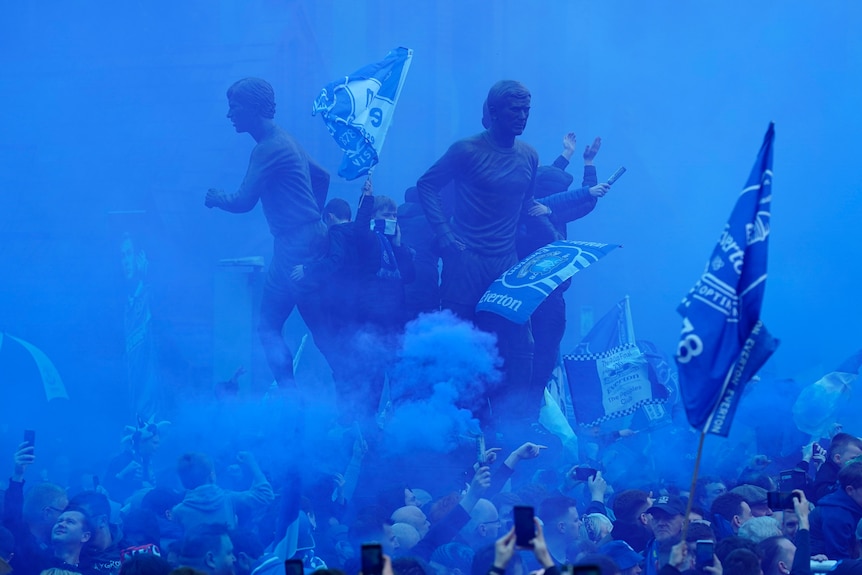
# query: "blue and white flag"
x,y
612,380
723,342
517,293
358,110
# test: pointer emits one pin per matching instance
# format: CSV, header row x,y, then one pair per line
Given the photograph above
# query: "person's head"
x,y
843,448
707,490
452,559
508,107
667,516
777,554
336,211
195,469
146,439
605,564
251,102
733,509
484,525
97,508
208,547
247,549
742,562
42,505
626,558
369,526
413,516
730,544
630,506
407,537
850,480
128,257
597,526
759,528
561,519
7,544
145,564
161,501
385,208
141,527
71,531
755,496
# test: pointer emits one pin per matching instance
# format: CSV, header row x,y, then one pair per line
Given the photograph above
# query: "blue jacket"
x,y
833,525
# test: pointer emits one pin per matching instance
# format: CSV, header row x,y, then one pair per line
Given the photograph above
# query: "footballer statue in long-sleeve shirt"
x,y
493,175
292,188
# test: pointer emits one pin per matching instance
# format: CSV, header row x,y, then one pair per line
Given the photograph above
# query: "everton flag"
x,y
612,381
358,110
723,342
518,292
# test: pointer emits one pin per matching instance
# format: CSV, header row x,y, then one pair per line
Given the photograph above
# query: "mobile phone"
x,y
480,449
584,473
293,567
703,554
372,559
95,482
780,500
525,526
30,437
616,175
791,479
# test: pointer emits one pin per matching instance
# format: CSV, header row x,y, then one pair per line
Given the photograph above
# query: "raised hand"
x,y
569,142
591,151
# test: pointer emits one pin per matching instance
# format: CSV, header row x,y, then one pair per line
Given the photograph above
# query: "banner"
x,y
611,378
522,288
723,342
358,110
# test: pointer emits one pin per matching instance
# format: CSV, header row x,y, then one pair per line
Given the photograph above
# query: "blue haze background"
x,y
121,106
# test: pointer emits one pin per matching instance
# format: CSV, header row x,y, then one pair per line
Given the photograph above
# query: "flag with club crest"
x,y
358,109
723,342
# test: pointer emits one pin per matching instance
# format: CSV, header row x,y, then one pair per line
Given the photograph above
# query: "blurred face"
x,y
790,524
150,445
746,513
711,492
241,116
571,524
52,512
222,562
70,529
761,511
849,453
390,542
665,526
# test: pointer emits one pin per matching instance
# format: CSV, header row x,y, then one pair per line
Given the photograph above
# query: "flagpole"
x,y
693,484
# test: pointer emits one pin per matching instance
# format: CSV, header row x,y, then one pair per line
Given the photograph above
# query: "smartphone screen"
x,y
293,567
372,559
704,551
791,479
584,473
30,437
525,526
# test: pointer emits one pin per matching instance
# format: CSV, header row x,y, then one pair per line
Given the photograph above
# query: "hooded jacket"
x,y
209,503
833,525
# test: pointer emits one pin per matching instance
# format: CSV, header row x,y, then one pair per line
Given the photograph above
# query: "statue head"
x,y
507,107
249,101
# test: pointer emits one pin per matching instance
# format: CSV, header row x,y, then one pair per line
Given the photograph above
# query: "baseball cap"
x,y
621,553
670,504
